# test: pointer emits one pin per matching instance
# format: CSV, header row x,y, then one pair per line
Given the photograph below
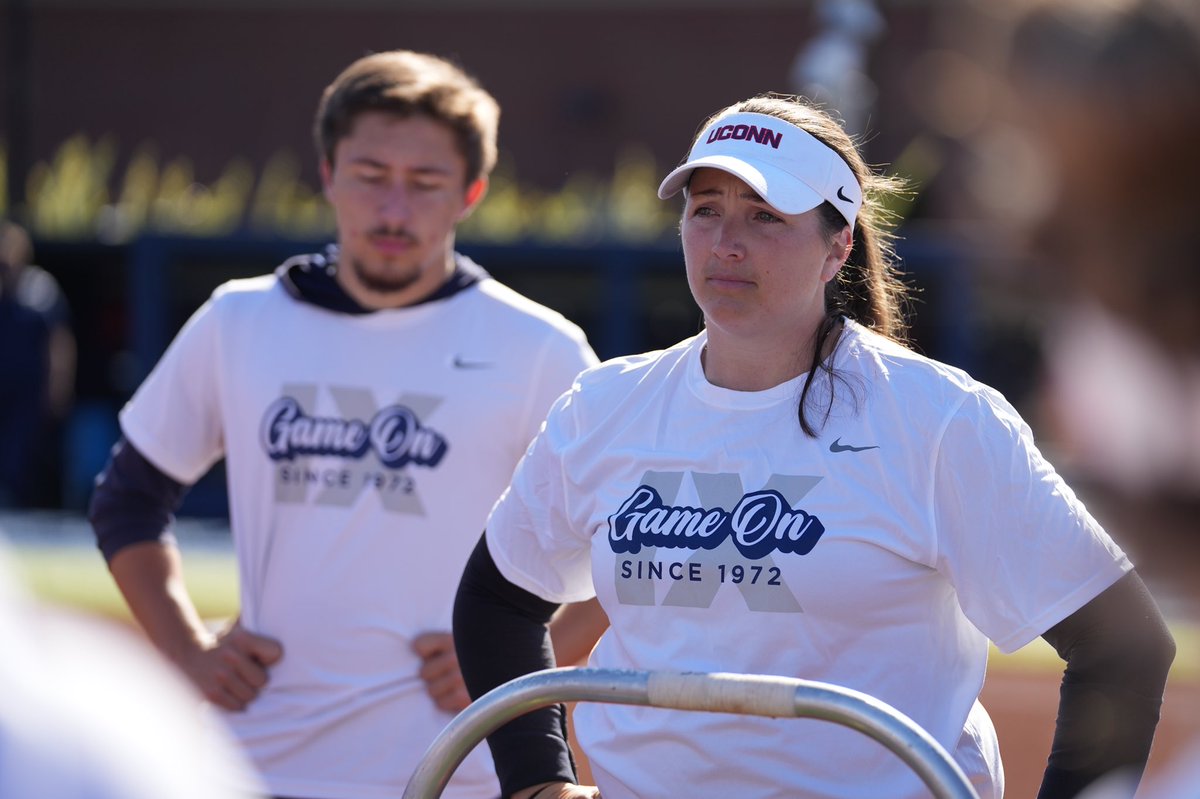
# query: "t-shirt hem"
x,y
524,581
159,455
1064,608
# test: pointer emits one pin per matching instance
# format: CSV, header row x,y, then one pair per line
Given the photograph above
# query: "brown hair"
x,y
868,288
407,83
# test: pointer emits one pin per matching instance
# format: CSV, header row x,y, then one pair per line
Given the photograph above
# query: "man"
x,y
371,403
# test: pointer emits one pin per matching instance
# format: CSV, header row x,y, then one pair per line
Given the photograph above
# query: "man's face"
x,y
398,189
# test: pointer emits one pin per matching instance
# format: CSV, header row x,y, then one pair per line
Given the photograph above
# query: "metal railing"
x,y
747,694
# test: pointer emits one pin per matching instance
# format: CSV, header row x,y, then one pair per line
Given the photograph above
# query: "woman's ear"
x,y
839,251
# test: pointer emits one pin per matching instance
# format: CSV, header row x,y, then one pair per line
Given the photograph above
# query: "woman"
x,y
794,492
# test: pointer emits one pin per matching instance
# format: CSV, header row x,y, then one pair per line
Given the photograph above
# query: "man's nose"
x,y
395,205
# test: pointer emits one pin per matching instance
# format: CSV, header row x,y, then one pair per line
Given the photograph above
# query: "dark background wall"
x,y
575,83
209,85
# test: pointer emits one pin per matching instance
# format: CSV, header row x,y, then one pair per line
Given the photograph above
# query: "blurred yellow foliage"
x,y
636,212
67,194
282,202
584,211
80,193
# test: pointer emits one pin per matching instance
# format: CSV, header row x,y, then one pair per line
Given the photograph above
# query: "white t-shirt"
x,y
363,454
880,556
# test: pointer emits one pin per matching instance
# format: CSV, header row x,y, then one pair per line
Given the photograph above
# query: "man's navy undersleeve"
x,y
133,501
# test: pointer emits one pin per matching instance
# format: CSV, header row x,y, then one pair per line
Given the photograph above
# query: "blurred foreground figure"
x,y
89,711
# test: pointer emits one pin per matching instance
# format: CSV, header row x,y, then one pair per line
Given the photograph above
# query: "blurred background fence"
x,y
154,148
129,300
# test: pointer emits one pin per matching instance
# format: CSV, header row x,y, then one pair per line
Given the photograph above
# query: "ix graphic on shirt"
x,y
372,446
734,546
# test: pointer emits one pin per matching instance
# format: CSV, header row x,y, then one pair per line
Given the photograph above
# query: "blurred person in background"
x,y
37,373
370,402
1109,93
831,68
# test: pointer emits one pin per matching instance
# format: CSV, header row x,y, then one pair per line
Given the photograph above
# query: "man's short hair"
x,y
406,84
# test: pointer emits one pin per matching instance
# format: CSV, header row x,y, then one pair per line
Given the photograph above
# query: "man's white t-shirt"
x,y
880,556
363,454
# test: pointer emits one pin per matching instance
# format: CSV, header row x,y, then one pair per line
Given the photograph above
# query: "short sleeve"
x,y
1021,550
564,356
174,417
529,533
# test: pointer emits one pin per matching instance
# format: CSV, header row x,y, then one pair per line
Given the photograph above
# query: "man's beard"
x,y
382,284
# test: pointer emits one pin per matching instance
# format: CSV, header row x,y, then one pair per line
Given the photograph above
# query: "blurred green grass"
x,y
55,555
77,578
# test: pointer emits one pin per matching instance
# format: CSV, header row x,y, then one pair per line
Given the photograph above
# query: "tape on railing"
x,y
759,695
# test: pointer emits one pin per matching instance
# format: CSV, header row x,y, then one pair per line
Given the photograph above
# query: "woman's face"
x,y
756,273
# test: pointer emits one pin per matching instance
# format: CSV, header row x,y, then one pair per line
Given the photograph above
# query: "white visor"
x,y
786,165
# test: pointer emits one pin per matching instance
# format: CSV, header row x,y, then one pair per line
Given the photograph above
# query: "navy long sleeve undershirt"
x,y
500,633
133,502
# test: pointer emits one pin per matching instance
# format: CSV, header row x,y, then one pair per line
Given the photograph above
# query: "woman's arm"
x,y
500,633
1118,652
575,629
